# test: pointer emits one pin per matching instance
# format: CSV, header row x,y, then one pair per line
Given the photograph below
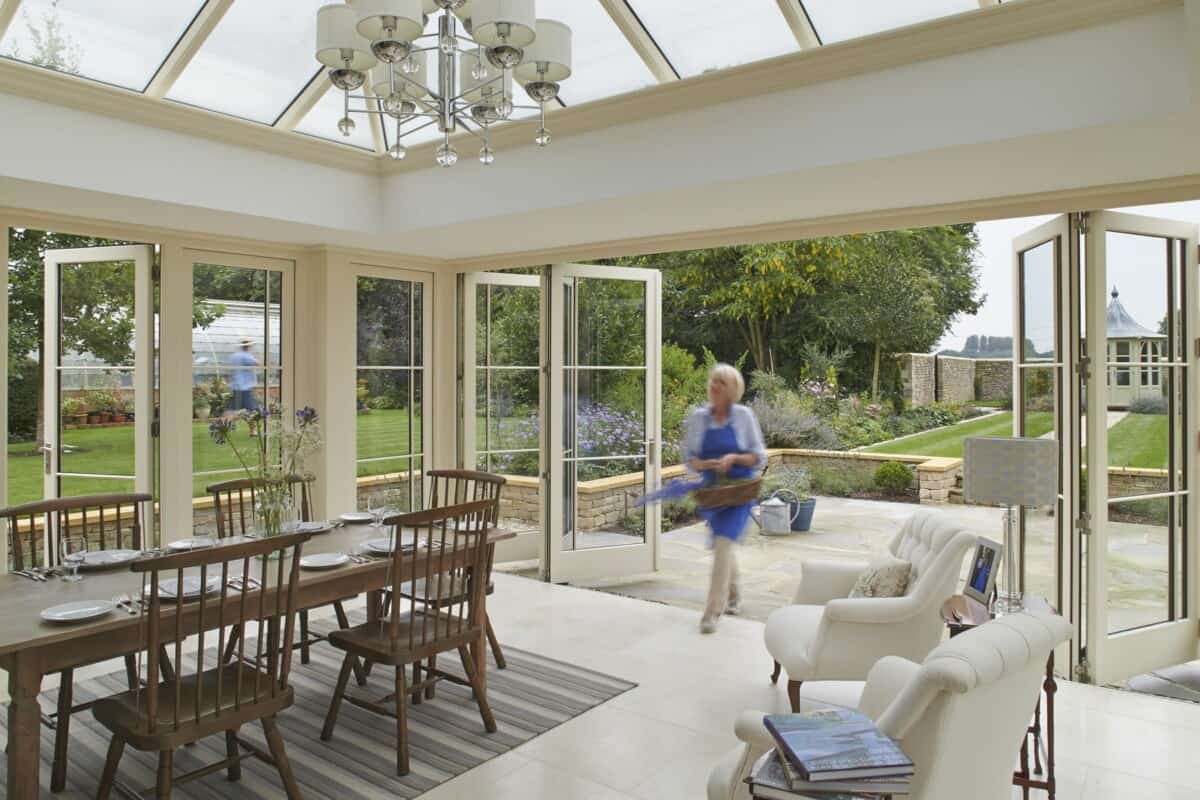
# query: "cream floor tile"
x,y
618,748
532,781
1104,784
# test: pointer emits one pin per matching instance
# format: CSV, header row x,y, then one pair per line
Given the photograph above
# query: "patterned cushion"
x,y
887,576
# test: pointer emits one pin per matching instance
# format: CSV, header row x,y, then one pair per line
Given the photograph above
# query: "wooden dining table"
x,y
31,648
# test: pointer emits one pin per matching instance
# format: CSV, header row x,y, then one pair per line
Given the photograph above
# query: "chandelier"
x,y
383,42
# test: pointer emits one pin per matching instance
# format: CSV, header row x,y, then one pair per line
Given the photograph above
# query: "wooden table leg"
x,y
24,727
1051,687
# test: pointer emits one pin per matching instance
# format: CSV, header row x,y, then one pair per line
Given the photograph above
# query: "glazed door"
x,y
1045,391
1141,444
501,395
98,376
603,420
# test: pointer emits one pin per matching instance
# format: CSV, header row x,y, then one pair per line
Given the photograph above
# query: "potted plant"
x,y
201,405
794,486
122,409
93,401
74,412
218,396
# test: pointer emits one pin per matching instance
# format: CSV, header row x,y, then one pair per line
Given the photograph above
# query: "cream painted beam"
x,y
8,12
187,47
304,102
640,39
801,25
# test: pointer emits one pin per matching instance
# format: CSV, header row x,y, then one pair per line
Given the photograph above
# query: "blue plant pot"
x,y
803,512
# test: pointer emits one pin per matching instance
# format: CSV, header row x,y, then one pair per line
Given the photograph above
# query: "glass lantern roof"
x,y
122,42
838,20
699,36
257,59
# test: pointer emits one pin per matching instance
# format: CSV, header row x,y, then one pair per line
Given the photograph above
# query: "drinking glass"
x,y
73,550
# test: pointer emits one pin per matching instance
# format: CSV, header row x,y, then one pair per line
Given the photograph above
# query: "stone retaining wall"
x,y
993,378
918,378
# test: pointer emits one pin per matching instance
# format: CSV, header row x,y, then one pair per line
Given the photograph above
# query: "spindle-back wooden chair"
x,y
208,695
35,531
233,505
442,546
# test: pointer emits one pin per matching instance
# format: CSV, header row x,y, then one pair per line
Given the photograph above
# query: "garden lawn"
x,y
948,442
110,450
1140,441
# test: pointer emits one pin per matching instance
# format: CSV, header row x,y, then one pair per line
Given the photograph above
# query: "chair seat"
x,y
126,712
373,639
446,593
789,633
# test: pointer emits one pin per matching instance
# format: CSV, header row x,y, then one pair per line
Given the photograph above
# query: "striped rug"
x,y
446,735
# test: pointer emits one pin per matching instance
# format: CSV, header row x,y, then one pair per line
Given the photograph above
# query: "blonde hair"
x,y
731,378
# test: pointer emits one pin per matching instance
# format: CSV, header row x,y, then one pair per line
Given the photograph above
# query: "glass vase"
x,y
273,509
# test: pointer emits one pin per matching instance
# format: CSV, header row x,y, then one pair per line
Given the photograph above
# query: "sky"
x,y
1136,267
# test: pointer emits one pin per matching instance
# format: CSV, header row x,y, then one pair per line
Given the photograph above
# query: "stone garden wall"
x,y
955,379
927,379
993,378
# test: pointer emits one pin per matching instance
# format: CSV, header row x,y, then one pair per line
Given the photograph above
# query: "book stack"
x,y
832,754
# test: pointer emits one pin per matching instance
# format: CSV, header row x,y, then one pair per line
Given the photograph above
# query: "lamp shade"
x,y
488,18
337,35
551,51
381,83
1010,471
470,85
408,18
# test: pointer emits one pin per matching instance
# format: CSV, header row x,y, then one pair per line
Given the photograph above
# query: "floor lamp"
x,y
1010,472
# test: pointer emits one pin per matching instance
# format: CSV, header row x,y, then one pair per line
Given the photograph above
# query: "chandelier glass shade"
x,y
450,78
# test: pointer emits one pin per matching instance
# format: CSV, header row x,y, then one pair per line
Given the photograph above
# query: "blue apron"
x,y
729,521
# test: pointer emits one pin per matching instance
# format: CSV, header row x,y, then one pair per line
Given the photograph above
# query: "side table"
x,y
961,613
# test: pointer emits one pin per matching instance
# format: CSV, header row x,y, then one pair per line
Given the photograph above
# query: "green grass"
x,y
948,442
110,450
1140,441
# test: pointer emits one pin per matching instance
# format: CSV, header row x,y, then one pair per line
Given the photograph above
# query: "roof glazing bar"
x,y
8,12
186,48
640,39
309,96
801,25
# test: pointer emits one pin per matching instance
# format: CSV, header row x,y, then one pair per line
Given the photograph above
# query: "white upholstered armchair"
x,y
960,716
825,635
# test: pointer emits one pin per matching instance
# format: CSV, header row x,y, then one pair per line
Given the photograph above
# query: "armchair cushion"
x,y
887,576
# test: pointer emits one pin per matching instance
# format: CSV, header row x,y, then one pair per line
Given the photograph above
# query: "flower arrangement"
x,y
280,447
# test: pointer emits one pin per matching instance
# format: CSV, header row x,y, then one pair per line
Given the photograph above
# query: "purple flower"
x,y
306,416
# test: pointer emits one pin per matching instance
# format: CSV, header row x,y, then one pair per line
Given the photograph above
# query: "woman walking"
x,y
723,439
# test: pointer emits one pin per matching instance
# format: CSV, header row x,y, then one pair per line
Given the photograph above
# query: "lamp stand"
x,y
1009,598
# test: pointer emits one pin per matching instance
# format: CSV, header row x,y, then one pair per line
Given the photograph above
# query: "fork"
x,y
126,602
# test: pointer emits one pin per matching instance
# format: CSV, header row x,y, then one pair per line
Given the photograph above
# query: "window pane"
x,y
605,63
703,35
611,329
837,20
122,42
1037,309
322,121
385,322
255,62
388,422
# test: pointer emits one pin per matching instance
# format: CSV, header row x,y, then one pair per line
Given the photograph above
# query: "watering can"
x,y
775,515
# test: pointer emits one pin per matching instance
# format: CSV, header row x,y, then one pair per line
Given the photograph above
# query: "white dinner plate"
x,y
315,526
191,587
324,560
384,544
78,611
194,543
356,517
100,559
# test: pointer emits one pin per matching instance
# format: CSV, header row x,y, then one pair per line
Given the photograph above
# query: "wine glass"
x,y
73,548
377,507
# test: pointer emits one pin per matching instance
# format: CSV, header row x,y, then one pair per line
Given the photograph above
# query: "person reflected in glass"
x,y
243,381
723,440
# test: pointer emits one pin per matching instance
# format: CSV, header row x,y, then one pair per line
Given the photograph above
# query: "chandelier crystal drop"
x,y
442,64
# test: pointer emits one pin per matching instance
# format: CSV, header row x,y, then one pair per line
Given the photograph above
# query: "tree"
x,y
749,288
902,290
